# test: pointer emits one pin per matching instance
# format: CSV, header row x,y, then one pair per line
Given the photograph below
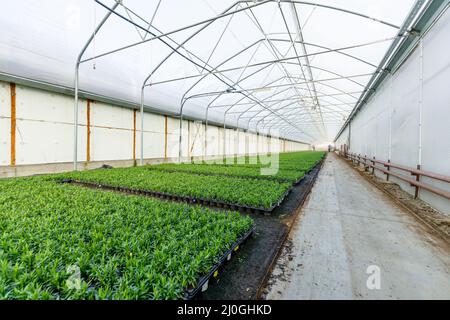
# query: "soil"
x,y
246,274
438,222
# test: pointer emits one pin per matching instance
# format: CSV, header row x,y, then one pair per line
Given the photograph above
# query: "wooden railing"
x,y
371,163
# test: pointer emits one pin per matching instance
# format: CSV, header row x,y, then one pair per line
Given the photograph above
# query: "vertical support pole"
x,y
88,133
257,143
388,168
246,149
236,142
189,140
390,121
205,145
224,140
373,168
75,121
134,137
349,135
13,124
180,138
77,69
419,165
141,160
165,136
416,192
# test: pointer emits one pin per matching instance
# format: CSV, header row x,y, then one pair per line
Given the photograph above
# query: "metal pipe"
x,y
141,160
229,13
283,62
387,59
77,79
420,100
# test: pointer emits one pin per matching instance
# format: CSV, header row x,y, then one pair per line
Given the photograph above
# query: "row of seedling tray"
x,y
203,283
193,200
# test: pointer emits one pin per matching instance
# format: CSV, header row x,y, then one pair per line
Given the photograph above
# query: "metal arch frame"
x,y
249,109
274,121
328,50
228,13
259,41
156,69
160,37
312,91
389,60
282,78
184,100
290,99
273,62
245,95
334,50
79,61
77,79
321,69
276,52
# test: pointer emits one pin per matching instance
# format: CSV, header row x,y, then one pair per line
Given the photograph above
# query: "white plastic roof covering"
x,y
290,66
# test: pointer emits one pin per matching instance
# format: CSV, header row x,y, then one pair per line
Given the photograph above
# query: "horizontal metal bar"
x,y
414,171
412,182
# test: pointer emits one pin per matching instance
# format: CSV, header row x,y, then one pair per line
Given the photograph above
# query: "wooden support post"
x,y
134,135
88,134
416,193
388,169
188,139
13,124
373,168
165,137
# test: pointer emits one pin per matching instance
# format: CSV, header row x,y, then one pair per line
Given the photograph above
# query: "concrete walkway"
x,y
347,226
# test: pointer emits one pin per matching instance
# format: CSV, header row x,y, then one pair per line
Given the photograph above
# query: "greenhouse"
x,y
225,150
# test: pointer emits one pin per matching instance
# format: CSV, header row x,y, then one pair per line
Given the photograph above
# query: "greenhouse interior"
x,y
225,150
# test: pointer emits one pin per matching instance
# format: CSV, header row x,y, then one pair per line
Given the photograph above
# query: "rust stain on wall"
x,y
134,135
165,137
88,126
13,124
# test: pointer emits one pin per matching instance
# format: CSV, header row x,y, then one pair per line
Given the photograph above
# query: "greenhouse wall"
x,y
408,120
43,137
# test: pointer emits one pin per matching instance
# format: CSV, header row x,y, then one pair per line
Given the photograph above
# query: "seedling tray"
x,y
261,177
188,199
167,196
203,282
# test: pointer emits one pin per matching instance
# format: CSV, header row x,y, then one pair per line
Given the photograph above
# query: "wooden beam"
x,y
165,137
13,124
134,135
88,126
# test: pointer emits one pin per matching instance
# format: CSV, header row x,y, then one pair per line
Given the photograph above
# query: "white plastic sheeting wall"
x,y
387,127
40,40
44,132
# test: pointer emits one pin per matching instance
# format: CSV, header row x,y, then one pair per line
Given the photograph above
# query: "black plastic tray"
x,y
268,178
188,199
162,195
191,293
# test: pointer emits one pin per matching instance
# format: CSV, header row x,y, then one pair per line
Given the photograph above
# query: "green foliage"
x,y
236,184
250,172
246,192
125,247
296,161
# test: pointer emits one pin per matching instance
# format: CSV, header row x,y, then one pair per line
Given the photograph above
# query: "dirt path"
x,y
348,225
244,276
